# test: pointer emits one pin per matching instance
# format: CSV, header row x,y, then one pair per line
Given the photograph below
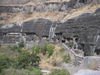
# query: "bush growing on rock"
x,y
67,58
21,45
36,50
59,72
48,49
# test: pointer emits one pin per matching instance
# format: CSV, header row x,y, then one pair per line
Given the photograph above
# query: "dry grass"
x,y
35,3
22,17
56,58
5,50
55,16
85,9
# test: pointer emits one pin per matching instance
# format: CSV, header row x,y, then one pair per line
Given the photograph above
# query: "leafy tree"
x,y
59,72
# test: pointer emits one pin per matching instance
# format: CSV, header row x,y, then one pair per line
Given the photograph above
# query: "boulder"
x,y
91,62
87,72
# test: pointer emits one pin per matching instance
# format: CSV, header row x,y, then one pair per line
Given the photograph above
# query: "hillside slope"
x,y
55,10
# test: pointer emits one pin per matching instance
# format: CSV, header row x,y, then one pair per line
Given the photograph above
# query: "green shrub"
x,y
36,50
12,71
34,59
59,72
36,71
26,59
43,49
67,58
48,49
22,60
5,62
15,48
21,44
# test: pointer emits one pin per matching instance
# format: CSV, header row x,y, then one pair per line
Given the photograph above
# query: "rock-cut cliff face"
x,y
85,28
53,19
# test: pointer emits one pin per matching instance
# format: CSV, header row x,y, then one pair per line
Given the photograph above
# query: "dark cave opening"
x,y
69,39
97,51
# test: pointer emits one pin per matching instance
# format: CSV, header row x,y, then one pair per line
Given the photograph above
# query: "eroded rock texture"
x,y
43,7
85,28
40,27
90,62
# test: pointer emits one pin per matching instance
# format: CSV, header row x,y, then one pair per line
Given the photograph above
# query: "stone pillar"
x,y
75,45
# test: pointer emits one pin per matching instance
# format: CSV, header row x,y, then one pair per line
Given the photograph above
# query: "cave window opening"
x,y
76,38
63,41
68,39
81,46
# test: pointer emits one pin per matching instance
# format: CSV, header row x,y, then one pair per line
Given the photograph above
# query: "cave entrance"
x,y
97,51
82,1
